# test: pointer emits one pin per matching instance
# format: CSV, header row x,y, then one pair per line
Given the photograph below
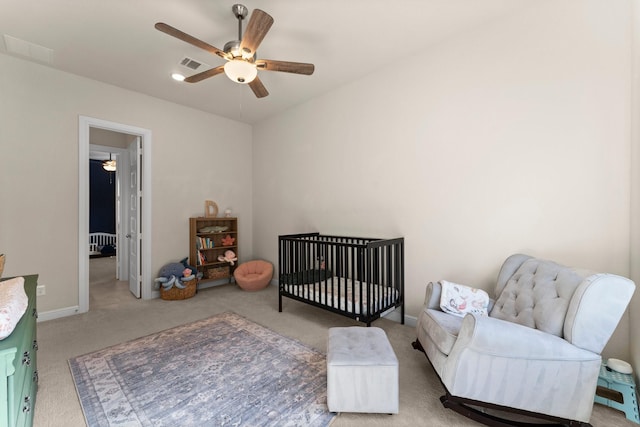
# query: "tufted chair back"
x,y
573,304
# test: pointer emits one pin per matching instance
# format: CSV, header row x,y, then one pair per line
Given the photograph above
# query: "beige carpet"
x,y
116,316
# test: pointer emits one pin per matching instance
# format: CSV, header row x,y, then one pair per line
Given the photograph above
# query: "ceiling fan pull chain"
x,y
240,88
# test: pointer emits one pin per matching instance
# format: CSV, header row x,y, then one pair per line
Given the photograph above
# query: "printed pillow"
x,y
460,299
13,304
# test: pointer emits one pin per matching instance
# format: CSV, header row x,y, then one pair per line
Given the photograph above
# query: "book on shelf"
x,y
202,259
204,243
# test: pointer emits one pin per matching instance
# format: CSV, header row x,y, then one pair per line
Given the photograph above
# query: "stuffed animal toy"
x,y
229,256
176,274
228,240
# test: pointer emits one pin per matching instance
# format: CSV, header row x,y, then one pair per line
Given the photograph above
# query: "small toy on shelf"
x,y
229,256
213,229
228,240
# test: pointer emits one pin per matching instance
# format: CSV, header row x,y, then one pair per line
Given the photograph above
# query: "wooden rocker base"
x,y
464,407
469,409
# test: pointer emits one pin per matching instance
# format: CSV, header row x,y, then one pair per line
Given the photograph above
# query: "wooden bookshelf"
x,y
206,236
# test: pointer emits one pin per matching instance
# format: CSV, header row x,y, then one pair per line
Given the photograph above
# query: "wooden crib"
x,y
361,278
99,240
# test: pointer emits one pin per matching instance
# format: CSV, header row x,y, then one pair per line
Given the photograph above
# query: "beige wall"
x,y
196,156
110,138
513,137
635,186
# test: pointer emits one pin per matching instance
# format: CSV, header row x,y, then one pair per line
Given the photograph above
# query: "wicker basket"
x,y
175,293
218,273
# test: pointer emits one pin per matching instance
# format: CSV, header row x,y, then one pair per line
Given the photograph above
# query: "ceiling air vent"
x,y
192,64
30,50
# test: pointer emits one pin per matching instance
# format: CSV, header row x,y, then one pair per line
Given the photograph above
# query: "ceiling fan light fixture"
x,y
240,71
109,165
177,77
247,54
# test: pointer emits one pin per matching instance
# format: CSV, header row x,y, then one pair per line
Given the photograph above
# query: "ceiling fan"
x,y
242,65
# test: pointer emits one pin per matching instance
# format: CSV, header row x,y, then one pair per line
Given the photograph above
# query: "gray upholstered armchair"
x,y
537,352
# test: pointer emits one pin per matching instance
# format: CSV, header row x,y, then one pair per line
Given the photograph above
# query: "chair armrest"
x,y
502,338
432,295
595,310
509,364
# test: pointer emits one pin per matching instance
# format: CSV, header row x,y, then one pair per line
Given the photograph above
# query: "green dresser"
x,y
18,367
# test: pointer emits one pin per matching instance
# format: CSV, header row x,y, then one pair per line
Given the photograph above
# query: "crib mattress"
x,y
345,294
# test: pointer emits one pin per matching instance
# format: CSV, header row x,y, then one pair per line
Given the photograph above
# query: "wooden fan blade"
x,y
174,32
205,74
257,28
258,88
285,66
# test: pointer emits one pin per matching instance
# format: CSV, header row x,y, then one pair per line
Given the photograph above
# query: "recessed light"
x,y
177,76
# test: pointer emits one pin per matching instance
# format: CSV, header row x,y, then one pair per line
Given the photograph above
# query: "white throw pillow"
x,y
459,299
13,304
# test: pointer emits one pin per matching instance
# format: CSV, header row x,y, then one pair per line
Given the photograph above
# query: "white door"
x,y
134,234
122,256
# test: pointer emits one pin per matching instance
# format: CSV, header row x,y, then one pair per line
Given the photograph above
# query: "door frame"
x,y
85,123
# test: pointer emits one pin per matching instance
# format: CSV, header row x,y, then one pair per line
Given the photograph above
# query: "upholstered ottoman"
x,y
362,371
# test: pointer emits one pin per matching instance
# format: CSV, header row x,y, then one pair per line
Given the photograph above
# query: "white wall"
x,y
635,184
513,137
196,156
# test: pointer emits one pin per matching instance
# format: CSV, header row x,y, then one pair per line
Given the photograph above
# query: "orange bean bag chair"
x,y
253,275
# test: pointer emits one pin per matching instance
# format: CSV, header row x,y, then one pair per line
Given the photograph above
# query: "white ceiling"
x,y
114,41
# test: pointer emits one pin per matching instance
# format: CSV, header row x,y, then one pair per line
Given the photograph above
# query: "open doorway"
x,y
108,191
134,231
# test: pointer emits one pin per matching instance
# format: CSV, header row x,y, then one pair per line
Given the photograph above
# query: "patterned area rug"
x,y
220,371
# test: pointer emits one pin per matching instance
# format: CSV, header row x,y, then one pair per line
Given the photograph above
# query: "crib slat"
x,y
99,239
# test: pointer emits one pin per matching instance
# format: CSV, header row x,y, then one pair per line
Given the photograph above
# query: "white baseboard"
x,y
395,316
213,283
410,321
43,316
